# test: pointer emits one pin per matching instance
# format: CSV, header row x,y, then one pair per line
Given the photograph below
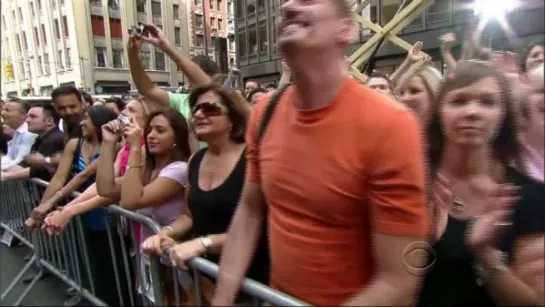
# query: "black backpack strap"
x,y
269,111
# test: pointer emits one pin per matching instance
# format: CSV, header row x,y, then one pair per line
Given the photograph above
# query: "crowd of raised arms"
x,y
316,187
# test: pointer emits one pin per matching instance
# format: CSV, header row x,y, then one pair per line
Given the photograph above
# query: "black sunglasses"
x,y
210,109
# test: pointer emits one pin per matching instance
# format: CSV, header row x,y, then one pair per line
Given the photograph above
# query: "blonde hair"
x,y
430,75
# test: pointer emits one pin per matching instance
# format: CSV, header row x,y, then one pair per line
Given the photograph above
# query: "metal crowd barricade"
x,y
126,278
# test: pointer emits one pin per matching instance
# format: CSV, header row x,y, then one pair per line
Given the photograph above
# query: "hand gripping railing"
x,y
74,269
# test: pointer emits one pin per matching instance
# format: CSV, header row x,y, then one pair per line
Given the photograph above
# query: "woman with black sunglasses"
x,y
215,180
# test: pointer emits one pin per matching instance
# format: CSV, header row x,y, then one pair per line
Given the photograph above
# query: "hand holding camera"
x,y
148,33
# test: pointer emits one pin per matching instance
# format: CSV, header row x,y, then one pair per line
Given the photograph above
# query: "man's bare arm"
x,y
399,263
242,240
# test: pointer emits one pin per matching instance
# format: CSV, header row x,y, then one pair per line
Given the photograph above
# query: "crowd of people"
x,y
318,187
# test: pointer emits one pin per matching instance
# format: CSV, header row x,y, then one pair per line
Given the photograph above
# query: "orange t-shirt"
x,y
331,177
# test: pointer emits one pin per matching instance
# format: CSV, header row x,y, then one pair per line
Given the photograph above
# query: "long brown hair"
x,y
506,147
181,151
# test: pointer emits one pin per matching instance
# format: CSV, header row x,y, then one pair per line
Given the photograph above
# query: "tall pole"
x,y
81,59
205,4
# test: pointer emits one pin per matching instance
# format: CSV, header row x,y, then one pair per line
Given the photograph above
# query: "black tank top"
x,y
213,210
453,280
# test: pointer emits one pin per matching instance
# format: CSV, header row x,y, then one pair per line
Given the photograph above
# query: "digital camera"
x,y
124,120
139,29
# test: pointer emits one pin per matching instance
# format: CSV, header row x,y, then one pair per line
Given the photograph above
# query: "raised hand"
x,y
488,227
416,54
111,131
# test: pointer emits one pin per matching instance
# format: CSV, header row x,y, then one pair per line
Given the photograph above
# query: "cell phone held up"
x,y
139,29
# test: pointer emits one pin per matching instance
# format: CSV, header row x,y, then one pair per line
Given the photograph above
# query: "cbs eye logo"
x,y
418,258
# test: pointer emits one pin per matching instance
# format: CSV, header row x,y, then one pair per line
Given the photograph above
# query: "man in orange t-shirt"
x,y
341,170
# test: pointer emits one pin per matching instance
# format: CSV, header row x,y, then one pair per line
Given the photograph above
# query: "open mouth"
x,y
292,26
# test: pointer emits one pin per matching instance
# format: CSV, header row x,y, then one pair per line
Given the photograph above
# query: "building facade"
x,y
50,43
212,21
260,60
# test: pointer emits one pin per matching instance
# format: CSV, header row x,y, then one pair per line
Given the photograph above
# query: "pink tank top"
x,y
123,160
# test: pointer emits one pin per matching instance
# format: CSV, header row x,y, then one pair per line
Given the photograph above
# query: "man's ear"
x,y
347,30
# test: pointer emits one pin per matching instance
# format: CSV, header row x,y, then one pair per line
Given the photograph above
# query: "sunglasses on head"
x,y
210,109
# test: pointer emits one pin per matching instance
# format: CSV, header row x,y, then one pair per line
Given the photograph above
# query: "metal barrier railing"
x,y
116,273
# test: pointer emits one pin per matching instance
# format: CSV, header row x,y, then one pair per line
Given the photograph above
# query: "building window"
x,y
250,7
100,57
260,5
36,37
65,26
57,29
61,2
230,10
218,5
220,21
115,28
263,39
39,6
97,25
145,57
241,44
160,61
40,65
21,15
113,4
176,11
32,10
96,2
118,58
22,70
68,60
240,9
46,63
213,23
59,64
273,35
155,9
199,40
438,11
25,43
198,2
44,36
211,3
199,20
18,39
177,36
232,44
252,40
213,41
141,6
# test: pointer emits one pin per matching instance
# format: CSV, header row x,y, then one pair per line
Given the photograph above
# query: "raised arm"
x,y
414,56
141,80
105,181
447,42
143,83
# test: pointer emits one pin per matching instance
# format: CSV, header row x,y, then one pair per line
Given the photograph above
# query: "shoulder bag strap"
x,y
268,113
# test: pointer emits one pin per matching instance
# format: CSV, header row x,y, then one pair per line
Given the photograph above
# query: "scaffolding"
x,y
405,16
